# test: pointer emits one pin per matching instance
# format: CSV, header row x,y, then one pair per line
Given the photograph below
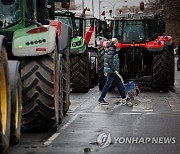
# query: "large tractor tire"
x,y
171,65
5,102
80,81
66,81
160,78
101,77
40,90
61,88
16,102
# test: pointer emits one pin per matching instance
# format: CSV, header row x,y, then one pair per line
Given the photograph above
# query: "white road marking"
x,y
144,105
55,135
69,122
122,113
103,108
49,140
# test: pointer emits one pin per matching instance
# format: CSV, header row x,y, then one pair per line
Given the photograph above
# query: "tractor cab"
x,y
67,18
146,53
129,31
86,25
78,54
137,30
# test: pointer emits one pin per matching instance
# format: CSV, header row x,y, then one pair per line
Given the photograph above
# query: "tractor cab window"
x,y
79,22
89,22
65,20
133,31
117,32
150,31
153,28
159,27
9,13
68,21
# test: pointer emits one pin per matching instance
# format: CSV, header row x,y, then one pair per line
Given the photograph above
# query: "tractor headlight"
x,y
78,43
74,44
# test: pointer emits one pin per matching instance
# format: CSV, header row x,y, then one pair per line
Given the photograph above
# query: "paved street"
x,y
152,125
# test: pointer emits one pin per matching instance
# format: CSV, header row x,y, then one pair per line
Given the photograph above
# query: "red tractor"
x,y
146,54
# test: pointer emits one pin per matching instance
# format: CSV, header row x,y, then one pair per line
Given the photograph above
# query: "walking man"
x,y
111,66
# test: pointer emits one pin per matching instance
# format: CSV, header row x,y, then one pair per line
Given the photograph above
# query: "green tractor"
x,y
79,57
146,54
86,27
39,54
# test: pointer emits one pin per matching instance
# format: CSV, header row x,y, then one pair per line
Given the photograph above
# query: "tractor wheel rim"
x,y
3,101
17,108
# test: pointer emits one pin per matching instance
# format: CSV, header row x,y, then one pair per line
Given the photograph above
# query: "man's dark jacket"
x,y
111,59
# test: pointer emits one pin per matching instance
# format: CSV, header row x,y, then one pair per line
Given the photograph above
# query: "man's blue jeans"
x,y
110,78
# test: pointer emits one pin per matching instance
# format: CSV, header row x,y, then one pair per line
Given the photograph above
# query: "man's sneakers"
x,y
122,101
103,102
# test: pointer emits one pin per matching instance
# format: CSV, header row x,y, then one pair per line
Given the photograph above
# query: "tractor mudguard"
x,y
1,42
64,39
14,67
16,101
34,41
155,46
167,39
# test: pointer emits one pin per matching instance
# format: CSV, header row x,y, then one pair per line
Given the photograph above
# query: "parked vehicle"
x,y
146,54
79,57
39,65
